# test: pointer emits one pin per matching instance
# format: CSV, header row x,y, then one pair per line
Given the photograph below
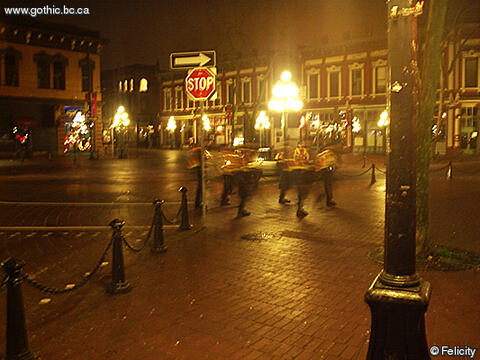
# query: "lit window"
x,y
471,72
178,98
246,91
143,85
313,86
231,91
125,85
120,87
262,90
356,82
87,65
218,99
334,84
12,58
380,79
167,96
131,84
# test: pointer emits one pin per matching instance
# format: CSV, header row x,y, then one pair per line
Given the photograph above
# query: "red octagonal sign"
x,y
200,83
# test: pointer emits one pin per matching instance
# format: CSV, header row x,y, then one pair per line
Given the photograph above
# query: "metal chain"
x,y
145,241
381,171
363,173
466,172
175,219
439,169
52,290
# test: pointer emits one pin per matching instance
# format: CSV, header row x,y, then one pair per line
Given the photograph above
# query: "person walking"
x,y
231,164
285,182
247,178
325,163
302,175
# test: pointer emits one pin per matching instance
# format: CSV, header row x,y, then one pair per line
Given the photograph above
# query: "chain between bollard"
x,y
466,172
145,241
381,171
440,169
55,291
362,173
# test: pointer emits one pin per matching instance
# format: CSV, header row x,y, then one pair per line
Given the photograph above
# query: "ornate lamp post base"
x,y
398,322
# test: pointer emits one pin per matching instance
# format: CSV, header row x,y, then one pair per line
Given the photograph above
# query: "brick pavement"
x,y
213,295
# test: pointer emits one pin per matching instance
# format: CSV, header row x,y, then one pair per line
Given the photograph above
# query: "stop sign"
x,y
200,83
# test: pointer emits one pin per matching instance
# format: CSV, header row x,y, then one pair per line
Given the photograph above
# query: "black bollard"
x,y
118,284
17,341
373,180
364,158
158,245
185,224
449,171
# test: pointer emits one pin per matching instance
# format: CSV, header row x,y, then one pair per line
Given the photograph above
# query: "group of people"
x,y
297,169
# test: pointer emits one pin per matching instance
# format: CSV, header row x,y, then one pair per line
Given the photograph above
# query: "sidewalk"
x,y
267,286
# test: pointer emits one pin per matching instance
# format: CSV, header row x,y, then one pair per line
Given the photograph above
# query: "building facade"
x,y
344,93
135,87
50,92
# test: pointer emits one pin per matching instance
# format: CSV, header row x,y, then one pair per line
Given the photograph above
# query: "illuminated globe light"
x,y
171,125
126,122
121,109
206,123
238,141
286,76
356,124
262,121
383,121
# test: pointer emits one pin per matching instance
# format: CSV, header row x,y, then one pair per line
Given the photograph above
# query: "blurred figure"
x,y
325,163
247,178
302,175
193,160
285,177
231,164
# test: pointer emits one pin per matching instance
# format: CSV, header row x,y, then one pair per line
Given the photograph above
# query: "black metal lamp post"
x,y
398,297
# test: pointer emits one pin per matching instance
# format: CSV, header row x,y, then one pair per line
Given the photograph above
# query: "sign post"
x,y
200,86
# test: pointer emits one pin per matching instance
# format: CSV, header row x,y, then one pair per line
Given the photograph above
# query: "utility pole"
x,y
398,297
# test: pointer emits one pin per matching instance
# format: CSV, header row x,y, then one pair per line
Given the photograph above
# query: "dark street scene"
x,y
239,180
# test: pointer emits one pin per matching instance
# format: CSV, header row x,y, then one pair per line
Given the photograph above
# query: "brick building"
x,y
344,91
136,88
49,86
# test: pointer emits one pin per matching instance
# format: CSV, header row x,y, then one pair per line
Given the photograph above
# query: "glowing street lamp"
x,y
384,119
171,126
120,122
285,98
206,123
261,124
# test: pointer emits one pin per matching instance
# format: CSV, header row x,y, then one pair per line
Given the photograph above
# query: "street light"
x,y
383,122
285,98
261,124
171,126
206,123
120,122
384,119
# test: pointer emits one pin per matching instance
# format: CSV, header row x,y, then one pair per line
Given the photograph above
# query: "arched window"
x,y
131,84
125,85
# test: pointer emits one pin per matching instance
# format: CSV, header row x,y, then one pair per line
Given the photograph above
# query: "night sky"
x,y
149,30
